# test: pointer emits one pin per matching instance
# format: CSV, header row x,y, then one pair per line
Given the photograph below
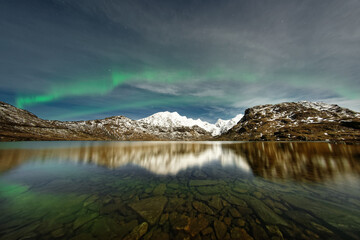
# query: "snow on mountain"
x,y
20,125
225,125
301,121
294,121
174,119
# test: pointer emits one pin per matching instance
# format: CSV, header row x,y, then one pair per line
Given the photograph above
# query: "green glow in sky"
x,y
106,85
151,76
173,101
82,88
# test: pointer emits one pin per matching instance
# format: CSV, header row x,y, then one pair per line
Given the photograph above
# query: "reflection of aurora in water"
x,y
299,161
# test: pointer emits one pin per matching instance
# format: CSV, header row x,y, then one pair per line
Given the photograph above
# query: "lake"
x,y
179,190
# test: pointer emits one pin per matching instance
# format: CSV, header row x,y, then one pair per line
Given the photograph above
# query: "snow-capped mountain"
x,y
174,119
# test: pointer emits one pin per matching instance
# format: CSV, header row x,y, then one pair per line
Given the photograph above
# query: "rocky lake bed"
x,y
68,199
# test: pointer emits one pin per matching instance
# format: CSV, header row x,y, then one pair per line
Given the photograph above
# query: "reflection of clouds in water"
x,y
298,161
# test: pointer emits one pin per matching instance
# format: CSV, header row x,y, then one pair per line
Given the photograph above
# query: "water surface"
x,y
179,190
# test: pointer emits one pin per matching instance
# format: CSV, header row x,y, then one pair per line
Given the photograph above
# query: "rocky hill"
x,y
20,125
301,121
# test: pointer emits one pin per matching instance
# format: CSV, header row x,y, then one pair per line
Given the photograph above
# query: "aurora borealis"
x,y
87,59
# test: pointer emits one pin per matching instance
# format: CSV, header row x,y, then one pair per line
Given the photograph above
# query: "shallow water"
x,y
179,190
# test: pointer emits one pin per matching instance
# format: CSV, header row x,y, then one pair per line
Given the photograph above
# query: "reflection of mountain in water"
x,y
299,161
157,157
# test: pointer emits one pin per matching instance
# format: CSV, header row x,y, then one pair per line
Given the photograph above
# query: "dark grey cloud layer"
x,y
295,50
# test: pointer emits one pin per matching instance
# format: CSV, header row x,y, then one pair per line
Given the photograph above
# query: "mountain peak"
x,y
174,119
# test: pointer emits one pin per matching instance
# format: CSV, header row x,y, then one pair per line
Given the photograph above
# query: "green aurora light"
x,y
162,101
104,86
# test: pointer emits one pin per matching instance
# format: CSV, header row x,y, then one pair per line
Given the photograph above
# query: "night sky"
x,y
87,59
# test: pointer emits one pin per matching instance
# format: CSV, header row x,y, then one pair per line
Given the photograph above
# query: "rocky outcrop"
x,y
301,121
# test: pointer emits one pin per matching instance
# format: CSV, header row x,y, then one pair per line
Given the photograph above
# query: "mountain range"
x,y
300,121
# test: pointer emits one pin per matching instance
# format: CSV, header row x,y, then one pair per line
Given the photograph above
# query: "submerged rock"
x,y
220,229
235,213
175,203
240,190
240,233
182,236
90,200
100,228
123,229
197,225
300,217
244,211
235,201
321,228
258,195
201,197
179,221
227,220
210,190
334,214
240,222
82,219
274,204
196,183
236,233
164,218
159,189
160,236
216,203
207,231
203,208
58,233
275,231
173,185
241,187
264,212
150,208
138,232
111,208
258,232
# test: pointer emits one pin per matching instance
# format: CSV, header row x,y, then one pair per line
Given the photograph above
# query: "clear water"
x,y
179,190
